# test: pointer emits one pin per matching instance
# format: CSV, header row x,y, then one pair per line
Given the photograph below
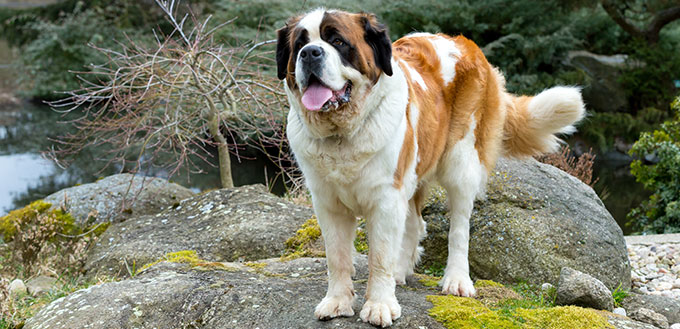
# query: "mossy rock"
x,y
462,312
118,197
246,223
535,220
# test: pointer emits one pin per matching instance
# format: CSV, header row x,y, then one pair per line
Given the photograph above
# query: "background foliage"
x,y
528,40
661,213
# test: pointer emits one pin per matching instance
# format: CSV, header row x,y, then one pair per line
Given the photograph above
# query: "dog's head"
x,y
331,59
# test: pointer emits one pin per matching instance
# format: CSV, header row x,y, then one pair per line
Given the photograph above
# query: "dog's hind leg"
x,y
414,232
462,175
456,279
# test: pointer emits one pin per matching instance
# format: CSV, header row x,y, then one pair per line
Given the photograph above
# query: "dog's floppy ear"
x,y
376,36
282,52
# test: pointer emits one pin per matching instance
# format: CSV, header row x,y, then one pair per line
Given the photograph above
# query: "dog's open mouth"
x,y
319,97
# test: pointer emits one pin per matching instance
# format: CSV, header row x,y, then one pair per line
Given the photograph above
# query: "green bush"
x,y
648,81
661,213
62,46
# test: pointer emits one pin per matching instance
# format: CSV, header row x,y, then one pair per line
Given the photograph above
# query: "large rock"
x,y
244,223
580,289
536,220
604,92
278,295
648,316
118,197
267,294
40,285
666,306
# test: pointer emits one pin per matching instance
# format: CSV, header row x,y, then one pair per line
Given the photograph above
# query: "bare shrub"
x,y
580,167
174,98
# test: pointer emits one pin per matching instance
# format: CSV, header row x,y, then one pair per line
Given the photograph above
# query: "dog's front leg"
x,y
385,231
338,229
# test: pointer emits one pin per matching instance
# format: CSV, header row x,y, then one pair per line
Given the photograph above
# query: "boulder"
x,y
118,197
580,289
604,92
271,294
627,323
666,306
648,316
267,294
620,311
244,223
17,287
40,285
535,220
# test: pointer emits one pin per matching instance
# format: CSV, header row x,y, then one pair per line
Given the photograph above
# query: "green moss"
x,y
256,266
188,257
487,283
302,244
361,240
62,221
428,280
460,312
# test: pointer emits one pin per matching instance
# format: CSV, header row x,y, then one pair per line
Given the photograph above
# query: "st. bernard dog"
x,y
373,123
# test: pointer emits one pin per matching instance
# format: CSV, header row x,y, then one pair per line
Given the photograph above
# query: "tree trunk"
x,y
222,151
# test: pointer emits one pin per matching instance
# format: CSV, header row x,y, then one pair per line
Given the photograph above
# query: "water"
x,y
25,175
618,190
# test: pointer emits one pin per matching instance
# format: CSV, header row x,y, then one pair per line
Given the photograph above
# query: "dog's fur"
x,y
427,108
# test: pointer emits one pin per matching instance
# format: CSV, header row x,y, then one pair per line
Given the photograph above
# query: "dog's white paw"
x,y
335,306
380,313
458,284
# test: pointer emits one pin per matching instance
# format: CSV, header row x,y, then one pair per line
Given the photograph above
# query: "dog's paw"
x,y
458,284
335,306
380,313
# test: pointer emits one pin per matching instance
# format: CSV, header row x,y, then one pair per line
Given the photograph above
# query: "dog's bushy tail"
x,y
532,121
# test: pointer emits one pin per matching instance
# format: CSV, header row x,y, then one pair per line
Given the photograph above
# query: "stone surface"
x,y
244,223
546,287
580,289
648,316
118,197
276,295
628,323
17,287
620,311
41,284
666,306
535,220
675,326
653,239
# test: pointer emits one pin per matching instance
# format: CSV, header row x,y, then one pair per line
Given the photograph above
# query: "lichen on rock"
x,y
188,257
305,242
463,312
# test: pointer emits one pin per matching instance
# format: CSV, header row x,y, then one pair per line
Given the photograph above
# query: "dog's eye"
x,y
338,42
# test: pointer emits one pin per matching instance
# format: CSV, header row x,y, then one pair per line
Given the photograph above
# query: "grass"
x,y
619,295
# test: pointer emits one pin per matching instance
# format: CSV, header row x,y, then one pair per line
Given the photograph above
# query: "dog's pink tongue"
x,y
315,96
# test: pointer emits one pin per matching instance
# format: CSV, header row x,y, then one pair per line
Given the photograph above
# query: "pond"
x,y
26,175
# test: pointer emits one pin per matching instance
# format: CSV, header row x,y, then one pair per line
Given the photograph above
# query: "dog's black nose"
x,y
311,53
